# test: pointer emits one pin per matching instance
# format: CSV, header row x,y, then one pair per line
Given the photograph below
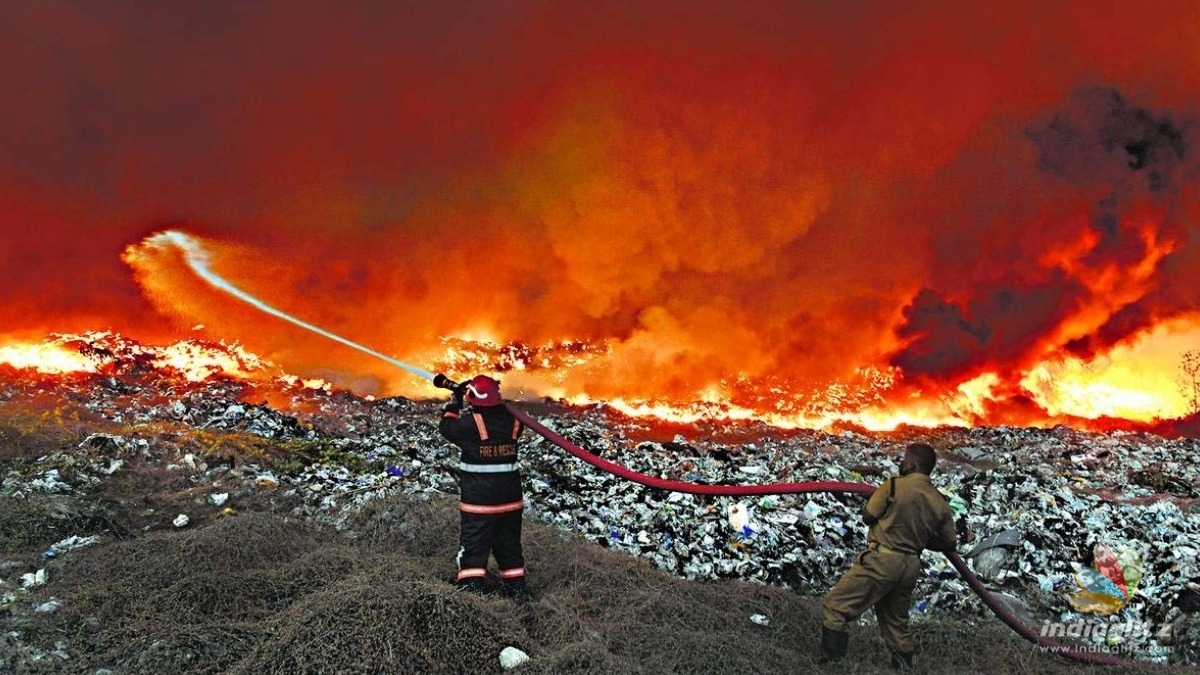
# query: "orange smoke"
x,y
967,213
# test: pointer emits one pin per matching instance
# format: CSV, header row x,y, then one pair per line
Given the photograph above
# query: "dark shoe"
x,y
516,589
901,661
833,645
473,585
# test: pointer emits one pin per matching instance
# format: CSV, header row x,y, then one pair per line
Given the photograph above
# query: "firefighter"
x,y
905,515
491,500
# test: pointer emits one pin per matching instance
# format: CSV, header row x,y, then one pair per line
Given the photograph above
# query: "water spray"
x,y
197,259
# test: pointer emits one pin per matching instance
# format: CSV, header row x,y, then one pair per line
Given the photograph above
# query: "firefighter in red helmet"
x,y
491,499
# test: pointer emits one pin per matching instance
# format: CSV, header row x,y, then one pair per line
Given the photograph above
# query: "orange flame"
x,y
1113,387
90,353
1140,381
46,357
198,362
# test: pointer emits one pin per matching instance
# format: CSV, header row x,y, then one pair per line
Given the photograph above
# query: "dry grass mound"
x,y
258,594
385,622
237,569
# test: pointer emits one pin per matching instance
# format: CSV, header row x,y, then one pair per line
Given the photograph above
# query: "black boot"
x,y
472,585
901,661
516,589
833,645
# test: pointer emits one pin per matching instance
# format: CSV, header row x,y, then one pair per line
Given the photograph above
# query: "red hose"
x,y
808,487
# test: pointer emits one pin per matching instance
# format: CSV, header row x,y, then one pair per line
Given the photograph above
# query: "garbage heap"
x,y
1041,501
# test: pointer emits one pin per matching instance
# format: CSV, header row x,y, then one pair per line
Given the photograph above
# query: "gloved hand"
x,y
454,404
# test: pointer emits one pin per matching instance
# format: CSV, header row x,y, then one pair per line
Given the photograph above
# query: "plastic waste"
x,y
511,657
69,544
992,554
739,517
48,607
33,579
958,506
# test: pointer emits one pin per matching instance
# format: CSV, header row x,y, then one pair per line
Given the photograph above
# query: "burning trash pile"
x,y
1047,505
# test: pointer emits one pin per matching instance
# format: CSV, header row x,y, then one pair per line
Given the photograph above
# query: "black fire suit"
x,y
491,498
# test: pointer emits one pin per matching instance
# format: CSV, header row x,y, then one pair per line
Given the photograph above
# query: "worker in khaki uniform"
x,y
905,515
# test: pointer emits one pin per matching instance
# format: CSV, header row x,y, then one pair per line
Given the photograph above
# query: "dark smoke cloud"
x,y
1102,142
953,342
1124,178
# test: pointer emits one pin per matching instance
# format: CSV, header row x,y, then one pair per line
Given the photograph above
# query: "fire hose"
x,y
808,487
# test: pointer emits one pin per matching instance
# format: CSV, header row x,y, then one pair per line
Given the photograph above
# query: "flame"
x,y
96,352
1140,381
197,362
1110,384
46,357
706,267
1111,286
923,414
1131,382
1115,386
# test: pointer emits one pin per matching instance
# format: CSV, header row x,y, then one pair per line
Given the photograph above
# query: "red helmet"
x,y
483,392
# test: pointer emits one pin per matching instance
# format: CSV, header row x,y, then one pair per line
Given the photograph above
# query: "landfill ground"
x,y
149,525
258,592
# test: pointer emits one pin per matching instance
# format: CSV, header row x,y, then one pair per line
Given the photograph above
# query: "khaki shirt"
x,y
919,517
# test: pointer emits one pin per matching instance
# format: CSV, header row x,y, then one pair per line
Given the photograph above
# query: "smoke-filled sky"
x,y
793,188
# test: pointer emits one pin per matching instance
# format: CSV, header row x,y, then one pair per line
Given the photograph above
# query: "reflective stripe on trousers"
x,y
491,509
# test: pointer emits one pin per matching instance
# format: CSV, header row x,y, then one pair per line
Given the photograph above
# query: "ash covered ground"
x,y
153,523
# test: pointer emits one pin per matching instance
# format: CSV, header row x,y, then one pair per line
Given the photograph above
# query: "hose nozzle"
x,y
443,382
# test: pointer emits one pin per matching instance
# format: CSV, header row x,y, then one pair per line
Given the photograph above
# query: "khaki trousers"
x,y
882,579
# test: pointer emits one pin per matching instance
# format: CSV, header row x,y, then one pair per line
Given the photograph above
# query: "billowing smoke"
x,y
703,193
1106,252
